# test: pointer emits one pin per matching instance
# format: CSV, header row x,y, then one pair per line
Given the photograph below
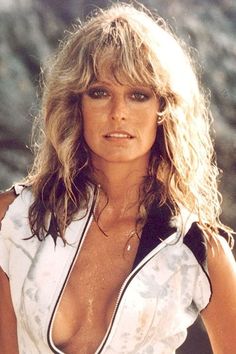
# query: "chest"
x,y
153,308
154,296
90,295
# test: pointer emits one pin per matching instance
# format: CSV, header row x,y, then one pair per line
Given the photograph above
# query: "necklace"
x,y
132,236
130,243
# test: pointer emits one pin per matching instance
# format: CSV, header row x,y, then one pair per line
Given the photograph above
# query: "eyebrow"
x,y
107,83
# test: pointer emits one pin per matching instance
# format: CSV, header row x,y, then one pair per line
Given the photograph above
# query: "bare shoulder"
x,y
6,198
8,329
219,316
221,266
219,254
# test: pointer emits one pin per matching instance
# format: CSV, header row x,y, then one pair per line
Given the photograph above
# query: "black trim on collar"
x,y
156,229
196,242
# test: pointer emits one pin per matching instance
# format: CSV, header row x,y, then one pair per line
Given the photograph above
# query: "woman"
x,y
112,245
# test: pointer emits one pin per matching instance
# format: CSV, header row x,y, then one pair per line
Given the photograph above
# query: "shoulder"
x,y
214,253
220,315
220,259
6,198
222,269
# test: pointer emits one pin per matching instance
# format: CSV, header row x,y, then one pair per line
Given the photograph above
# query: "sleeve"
x,y
195,241
202,290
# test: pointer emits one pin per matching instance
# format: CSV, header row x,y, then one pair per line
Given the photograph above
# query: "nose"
x,y
118,109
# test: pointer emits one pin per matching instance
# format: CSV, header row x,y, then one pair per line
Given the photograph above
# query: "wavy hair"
x,y
131,43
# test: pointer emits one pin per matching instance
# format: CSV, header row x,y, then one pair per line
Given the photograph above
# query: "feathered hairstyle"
x,y
129,42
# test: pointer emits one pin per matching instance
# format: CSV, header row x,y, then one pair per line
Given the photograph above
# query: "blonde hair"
x,y
135,45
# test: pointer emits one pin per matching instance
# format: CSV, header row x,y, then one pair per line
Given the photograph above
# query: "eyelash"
x,y
99,93
140,96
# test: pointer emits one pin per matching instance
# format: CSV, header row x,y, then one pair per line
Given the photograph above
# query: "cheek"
x,y
150,122
89,131
150,130
88,128
88,121
152,135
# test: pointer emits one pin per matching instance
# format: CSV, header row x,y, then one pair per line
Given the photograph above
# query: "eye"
x,y
97,92
140,96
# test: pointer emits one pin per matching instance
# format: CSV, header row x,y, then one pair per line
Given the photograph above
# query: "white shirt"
x,y
159,300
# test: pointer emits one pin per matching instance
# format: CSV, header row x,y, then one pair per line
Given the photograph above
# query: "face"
x,y
120,121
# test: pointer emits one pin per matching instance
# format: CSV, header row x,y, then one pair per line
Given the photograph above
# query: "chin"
x,y
119,158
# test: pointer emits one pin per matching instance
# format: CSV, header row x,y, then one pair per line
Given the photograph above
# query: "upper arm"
x,y
219,317
5,200
8,331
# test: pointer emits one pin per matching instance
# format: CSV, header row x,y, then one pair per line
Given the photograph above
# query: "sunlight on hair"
x,y
135,47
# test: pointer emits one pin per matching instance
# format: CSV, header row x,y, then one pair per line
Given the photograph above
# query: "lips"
x,y
118,135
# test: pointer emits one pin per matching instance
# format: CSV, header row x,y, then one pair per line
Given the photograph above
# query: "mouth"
x,y
118,135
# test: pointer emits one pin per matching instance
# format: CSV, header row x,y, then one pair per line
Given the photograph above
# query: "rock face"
x,y
30,30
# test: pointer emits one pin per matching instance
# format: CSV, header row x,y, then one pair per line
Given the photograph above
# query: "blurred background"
x,y
31,29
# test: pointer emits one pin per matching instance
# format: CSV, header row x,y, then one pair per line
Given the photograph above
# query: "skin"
x,y
109,107
120,128
219,317
8,339
120,164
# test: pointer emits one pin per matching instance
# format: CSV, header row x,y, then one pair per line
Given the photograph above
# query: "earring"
x,y
160,117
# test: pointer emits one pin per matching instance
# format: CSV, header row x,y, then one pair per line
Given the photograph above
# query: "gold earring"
x,y
160,117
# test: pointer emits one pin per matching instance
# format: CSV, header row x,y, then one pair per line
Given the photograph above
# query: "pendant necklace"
x,y
132,236
130,243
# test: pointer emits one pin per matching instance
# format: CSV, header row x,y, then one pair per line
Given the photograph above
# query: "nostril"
x,y
118,117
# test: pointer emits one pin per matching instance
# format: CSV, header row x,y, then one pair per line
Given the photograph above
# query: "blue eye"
x,y
97,92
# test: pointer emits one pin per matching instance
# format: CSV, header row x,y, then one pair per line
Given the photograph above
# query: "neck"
x,y
120,182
